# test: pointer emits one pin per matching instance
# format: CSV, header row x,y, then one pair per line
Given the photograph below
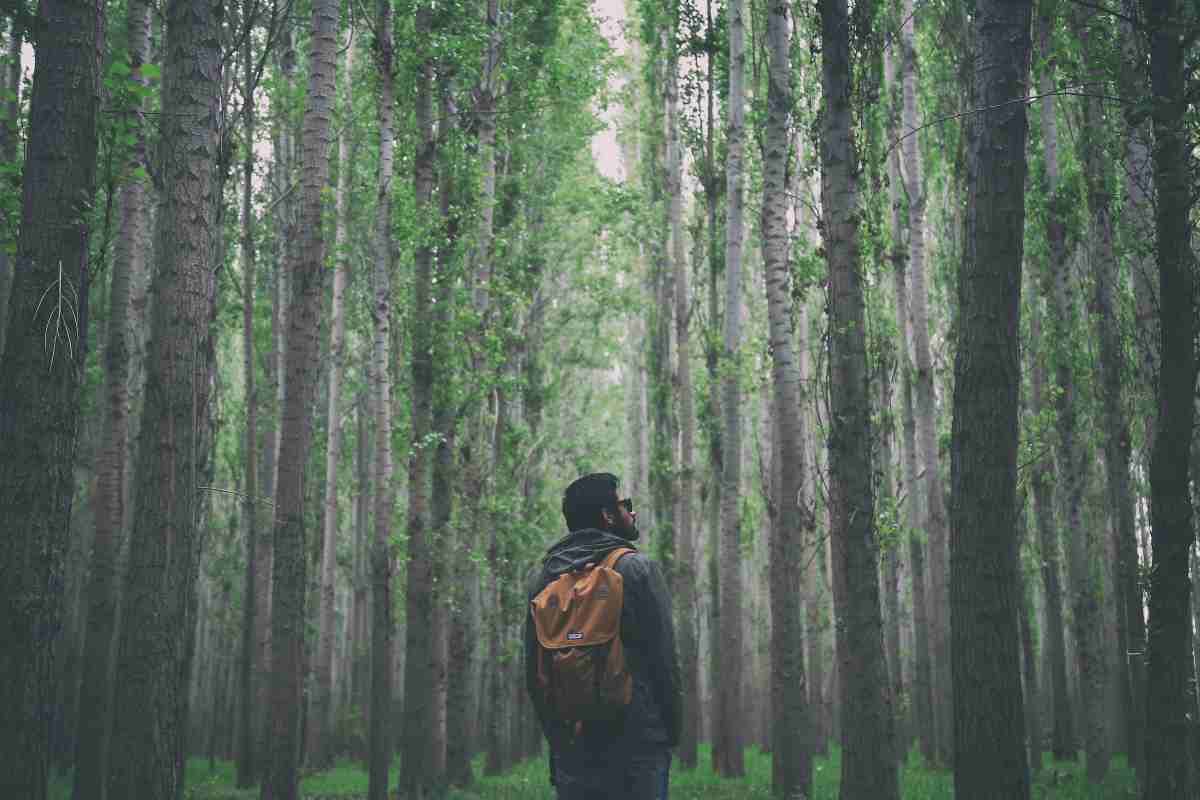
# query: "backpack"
x,y
581,671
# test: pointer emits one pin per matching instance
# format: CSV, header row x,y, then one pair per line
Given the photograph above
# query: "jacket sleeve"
x,y
653,615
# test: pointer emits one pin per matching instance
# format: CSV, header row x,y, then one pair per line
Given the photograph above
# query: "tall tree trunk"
x,y
1168,696
380,747
791,756
926,405
129,264
300,378
1025,622
989,754
1138,224
865,698
150,705
42,369
247,766
320,750
9,140
419,710
729,736
360,679
686,532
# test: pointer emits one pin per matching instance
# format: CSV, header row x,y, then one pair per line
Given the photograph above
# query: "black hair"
x,y
586,497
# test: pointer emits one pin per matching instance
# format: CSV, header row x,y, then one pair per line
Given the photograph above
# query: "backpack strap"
x,y
614,556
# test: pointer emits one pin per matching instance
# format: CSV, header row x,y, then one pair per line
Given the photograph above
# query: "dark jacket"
x,y
655,714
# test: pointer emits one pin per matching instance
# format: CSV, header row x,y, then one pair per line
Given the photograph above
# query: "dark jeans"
x,y
643,777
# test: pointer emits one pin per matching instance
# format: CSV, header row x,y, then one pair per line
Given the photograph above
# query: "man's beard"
x,y
629,534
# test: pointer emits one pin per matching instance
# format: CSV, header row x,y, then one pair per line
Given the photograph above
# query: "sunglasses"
x,y
626,504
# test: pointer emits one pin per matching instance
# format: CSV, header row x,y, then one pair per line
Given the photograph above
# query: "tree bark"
x,y
989,756
300,378
926,405
247,766
321,754
791,757
129,263
728,736
41,364
419,710
380,747
863,691
151,701
1169,699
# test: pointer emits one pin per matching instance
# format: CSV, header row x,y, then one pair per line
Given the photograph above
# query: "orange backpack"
x,y
581,670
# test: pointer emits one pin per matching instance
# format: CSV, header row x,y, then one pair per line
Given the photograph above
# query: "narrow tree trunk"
x,y
321,754
307,274
247,766
40,393
1168,696
791,756
380,747
926,406
686,534
989,749
419,710
1137,222
156,640
129,263
1025,622
865,699
729,736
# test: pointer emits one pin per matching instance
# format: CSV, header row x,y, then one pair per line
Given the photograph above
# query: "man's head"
x,y
592,502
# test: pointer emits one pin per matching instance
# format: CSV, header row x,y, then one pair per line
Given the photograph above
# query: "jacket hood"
x,y
577,549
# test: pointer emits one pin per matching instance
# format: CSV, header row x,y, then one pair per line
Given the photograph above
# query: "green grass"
x,y
528,781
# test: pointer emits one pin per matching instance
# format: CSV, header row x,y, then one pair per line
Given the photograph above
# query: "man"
x,y
626,759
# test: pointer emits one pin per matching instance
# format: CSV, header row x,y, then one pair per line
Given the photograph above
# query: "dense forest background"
x,y
885,313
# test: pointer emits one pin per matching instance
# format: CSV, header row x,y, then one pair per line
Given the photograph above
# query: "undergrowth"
x,y
529,781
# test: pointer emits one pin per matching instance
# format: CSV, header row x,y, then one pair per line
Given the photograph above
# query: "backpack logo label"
x,y
574,635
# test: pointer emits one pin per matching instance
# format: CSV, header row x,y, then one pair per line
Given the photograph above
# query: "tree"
x,y
319,744
989,756
307,279
380,748
1168,669
419,711
728,739
863,691
9,140
129,264
790,744
39,398
154,656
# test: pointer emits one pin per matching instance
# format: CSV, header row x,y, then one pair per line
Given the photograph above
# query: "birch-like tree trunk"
x,y
150,704
379,747
791,756
729,735
990,760
307,278
320,750
863,691
246,764
419,710
686,533
129,263
42,369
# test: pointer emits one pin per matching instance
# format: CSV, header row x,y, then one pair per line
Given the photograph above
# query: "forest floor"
x,y
528,781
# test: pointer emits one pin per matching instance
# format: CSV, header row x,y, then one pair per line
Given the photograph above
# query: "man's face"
x,y
622,519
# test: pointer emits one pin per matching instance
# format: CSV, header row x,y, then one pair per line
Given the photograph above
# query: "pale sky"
x,y
604,144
